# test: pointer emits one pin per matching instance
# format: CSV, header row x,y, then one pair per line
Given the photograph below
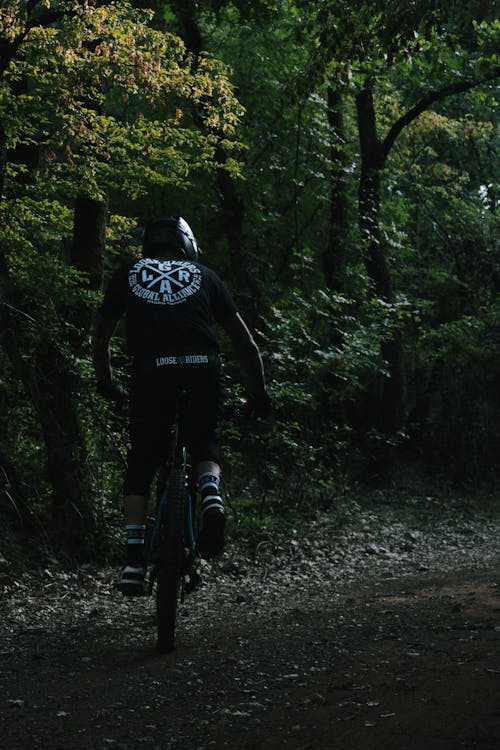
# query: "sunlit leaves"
x,y
113,102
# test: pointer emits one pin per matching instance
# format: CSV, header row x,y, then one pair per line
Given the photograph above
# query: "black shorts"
x,y
152,410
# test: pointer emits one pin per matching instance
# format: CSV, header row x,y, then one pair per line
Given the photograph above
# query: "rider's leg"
x,y
211,537
132,574
207,467
202,419
148,444
208,480
149,397
135,511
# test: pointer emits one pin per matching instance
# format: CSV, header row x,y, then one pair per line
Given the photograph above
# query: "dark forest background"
x,y
338,164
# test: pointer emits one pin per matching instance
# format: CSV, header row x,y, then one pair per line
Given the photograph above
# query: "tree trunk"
x,y
232,206
87,255
233,213
56,398
89,239
50,384
185,10
334,257
390,410
372,162
58,385
12,499
3,159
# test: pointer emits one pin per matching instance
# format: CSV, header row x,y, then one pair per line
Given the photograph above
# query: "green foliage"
x,y
95,100
461,358
106,99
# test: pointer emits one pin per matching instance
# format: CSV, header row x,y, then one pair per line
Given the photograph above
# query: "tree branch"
x,y
423,104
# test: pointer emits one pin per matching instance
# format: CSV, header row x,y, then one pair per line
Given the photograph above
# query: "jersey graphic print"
x,y
164,282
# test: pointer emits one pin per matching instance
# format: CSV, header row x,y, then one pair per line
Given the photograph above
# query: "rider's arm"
x,y
104,328
248,353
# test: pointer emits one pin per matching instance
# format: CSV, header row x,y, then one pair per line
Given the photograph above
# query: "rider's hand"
x,y
257,405
112,392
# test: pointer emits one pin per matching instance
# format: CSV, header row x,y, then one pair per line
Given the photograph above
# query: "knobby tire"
x,y
170,564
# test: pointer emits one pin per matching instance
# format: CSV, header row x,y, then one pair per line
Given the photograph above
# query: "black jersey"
x,y
170,307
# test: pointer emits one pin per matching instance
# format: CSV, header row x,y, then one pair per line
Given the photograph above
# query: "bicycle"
x,y
173,541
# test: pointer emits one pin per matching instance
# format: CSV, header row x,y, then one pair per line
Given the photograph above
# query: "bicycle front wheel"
x,y
170,562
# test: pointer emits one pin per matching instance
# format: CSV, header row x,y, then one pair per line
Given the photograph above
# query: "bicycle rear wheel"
x,y
171,558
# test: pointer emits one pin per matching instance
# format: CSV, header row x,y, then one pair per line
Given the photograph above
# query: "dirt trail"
x,y
290,654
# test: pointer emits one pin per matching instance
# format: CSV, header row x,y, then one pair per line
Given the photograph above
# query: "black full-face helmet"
x,y
172,232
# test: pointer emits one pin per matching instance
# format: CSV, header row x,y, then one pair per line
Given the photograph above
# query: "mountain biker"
x,y
170,302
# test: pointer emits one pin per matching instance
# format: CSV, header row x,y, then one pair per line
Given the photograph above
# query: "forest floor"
x,y
379,632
